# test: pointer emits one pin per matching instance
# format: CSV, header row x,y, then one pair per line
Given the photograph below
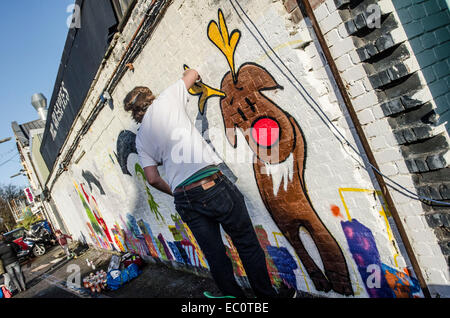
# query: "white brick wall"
x,y
381,139
332,175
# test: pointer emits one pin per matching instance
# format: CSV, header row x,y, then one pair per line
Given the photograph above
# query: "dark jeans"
x,y
223,204
15,274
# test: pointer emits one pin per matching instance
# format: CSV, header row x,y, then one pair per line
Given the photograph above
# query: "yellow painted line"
x,y
388,227
349,218
395,260
384,213
275,236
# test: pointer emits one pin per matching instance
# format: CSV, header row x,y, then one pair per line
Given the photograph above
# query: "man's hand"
x,y
190,76
155,180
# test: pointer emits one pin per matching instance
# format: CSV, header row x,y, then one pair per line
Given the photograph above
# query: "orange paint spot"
x,y
399,284
336,211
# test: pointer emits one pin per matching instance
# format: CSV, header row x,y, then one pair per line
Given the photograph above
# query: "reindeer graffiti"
x,y
279,148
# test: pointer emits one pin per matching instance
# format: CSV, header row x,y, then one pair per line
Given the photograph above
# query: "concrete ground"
x,y
50,275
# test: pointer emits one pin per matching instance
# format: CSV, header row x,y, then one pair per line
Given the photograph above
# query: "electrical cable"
x,y
8,152
408,193
10,159
143,32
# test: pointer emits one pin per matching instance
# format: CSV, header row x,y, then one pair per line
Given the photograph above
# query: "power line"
x,y
8,152
10,159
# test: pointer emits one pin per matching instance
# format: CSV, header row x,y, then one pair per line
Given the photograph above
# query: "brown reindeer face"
x,y
265,126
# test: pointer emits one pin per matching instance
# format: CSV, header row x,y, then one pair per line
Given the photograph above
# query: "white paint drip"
x,y
281,171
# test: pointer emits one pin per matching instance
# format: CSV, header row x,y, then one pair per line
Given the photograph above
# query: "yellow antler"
x,y
204,91
226,43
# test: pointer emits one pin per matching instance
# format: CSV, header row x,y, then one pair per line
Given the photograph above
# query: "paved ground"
x,y
47,277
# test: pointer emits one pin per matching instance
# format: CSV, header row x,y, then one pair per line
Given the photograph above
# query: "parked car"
x,y
34,242
37,243
17,236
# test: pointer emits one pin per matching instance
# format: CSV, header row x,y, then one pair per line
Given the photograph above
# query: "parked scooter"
x,y
37,242
41,232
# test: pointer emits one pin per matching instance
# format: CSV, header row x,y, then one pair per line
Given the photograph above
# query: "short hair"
x,y
137,101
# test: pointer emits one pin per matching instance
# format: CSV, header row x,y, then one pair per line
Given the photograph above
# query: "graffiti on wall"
x,y
279,150
380,280
126,145
365,253
136,236
184,248
129,234
98,229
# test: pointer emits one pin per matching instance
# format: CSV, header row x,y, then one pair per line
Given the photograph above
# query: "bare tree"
x,y
10,191
7,193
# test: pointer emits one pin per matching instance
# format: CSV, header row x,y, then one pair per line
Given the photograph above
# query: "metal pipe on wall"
x,y
368,151
87,123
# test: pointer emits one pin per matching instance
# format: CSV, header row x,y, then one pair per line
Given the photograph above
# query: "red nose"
x,y
265,132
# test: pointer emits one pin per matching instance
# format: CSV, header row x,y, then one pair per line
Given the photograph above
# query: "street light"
x,y
21,172
18,174
5,140
39,102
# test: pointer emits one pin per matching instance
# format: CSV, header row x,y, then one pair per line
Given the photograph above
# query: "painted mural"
x,y
131,235
128,234
279,148
380,280
122,212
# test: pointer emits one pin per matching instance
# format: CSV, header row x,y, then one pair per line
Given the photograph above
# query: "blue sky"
x,y
33,34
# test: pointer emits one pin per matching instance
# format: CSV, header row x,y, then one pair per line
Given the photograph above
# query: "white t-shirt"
x,y
167,136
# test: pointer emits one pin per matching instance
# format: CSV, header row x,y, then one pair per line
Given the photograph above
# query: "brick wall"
x,y
426,24
398,111
104,198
